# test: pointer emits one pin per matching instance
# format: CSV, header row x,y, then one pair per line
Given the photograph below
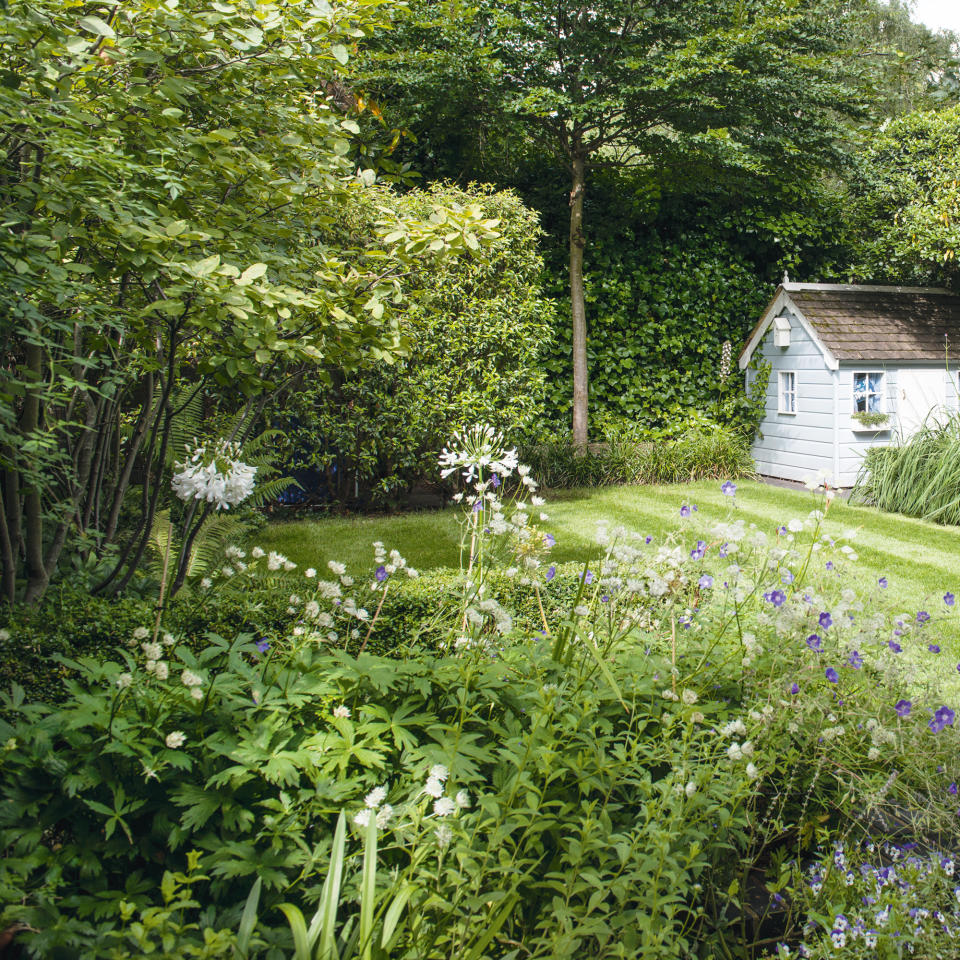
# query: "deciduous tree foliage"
x,y
906,201
676,84
167,172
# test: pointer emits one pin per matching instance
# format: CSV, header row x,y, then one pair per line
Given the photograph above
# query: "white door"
x,y
921,394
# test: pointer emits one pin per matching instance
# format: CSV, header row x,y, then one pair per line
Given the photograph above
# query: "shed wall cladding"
x,y
794,446
852,445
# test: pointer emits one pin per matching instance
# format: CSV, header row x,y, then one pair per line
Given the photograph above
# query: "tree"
x,y
166,176
906,201
682,86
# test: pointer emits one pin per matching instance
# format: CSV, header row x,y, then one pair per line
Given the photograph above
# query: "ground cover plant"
x,y
648,771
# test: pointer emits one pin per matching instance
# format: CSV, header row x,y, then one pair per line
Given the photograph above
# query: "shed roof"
x,y
868,323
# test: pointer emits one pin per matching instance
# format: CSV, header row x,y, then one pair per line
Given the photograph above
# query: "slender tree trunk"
x,y
37,578
577,305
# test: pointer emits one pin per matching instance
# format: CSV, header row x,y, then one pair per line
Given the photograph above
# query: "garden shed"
x,y
851,366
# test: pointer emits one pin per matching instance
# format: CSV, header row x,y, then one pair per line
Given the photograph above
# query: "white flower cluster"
x,y
214,473
373,804
444,806
479,449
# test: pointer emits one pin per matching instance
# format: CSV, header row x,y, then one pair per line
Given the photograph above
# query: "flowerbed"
x,y
683,749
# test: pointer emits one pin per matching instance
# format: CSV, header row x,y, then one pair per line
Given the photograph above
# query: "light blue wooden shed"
x,y
842,357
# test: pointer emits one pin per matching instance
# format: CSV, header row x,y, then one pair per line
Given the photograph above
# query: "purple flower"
x,y
896,648
952,789
695,508
923,616
729,489
903,708
648,539
478,506
829,564
781,531
794,688
882,582
933,648
724,549
551,572
684,511
943,718
855,660
786,577
588,577
381,574
604,599
706,582
263,644
826,621
949,599
494,481
776,597
831,675
814,643
549,539
699,550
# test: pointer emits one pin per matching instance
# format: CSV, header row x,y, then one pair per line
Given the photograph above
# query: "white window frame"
x,y
881,393
781,392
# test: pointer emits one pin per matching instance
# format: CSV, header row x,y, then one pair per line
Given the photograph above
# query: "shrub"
x,y
477,333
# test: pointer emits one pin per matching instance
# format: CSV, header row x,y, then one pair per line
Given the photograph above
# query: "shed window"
x,y
868,393
788,392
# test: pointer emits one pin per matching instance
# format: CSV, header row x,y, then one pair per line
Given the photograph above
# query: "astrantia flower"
x,y
462,799
433,787
383,815
161,671
444,806
124,680
943,718
752,772
176,739
375,797
214,472
341,712
903,708
190,679
831,675
439,771
362,818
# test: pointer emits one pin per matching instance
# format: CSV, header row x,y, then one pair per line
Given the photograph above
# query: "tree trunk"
x,y
577,306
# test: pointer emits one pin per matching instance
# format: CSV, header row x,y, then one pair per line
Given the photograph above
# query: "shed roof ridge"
x,y
792,287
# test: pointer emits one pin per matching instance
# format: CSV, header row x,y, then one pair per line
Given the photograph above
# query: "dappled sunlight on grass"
x,y
919,559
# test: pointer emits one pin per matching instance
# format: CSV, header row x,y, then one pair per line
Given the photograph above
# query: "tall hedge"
x,y
478,329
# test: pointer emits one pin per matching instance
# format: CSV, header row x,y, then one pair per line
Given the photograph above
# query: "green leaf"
x,y
340,53
96,26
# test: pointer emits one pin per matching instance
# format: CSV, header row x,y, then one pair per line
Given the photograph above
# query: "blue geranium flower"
x,y
831,675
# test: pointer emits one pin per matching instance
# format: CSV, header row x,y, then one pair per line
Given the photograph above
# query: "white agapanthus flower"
x,y
479,448
215,473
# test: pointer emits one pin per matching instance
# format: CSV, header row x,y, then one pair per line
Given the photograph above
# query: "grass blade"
x,y
248,919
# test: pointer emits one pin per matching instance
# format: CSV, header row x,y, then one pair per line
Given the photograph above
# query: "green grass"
x,y
921,560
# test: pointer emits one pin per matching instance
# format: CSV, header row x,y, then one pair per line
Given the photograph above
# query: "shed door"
x,y
920,394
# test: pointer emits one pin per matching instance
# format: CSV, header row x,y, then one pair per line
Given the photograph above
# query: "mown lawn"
x,y
920,560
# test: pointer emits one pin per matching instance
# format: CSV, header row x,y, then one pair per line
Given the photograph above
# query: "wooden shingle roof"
x,y
852,323
897,323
